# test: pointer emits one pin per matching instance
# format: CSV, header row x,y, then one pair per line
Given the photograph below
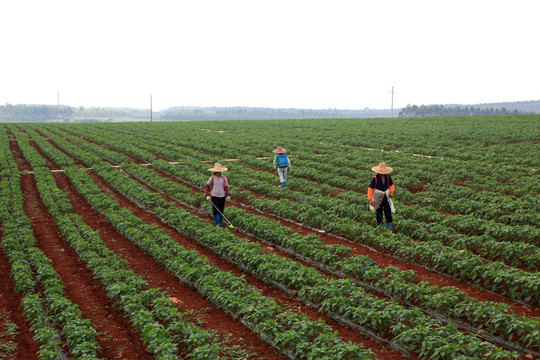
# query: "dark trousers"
x,y
384,208
219,203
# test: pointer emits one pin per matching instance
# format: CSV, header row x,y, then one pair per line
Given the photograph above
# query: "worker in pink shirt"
x,y
217,191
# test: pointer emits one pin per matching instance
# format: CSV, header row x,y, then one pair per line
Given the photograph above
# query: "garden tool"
x,y
230,225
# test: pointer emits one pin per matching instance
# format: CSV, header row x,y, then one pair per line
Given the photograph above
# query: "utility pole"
x,y
58,107
150,108
392,104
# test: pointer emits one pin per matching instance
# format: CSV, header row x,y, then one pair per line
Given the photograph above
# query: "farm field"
x,y
108,249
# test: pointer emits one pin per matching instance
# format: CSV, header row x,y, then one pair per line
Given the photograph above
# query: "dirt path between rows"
x,y
116,337
382,259
11,310
144,266
213,314
10,300
189,300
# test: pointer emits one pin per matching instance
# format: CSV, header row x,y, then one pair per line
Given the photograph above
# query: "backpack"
x,y
375,188
282,160
224,180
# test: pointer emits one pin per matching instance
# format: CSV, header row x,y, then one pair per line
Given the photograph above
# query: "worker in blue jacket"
x,y
282,164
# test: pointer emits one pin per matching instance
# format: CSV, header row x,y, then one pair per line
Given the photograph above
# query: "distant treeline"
x,y
252,113
20,113
441,110
527,107
63,113
42,113
46,113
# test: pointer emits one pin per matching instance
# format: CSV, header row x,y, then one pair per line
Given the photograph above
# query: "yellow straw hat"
x,y
279,150
218,168
382,169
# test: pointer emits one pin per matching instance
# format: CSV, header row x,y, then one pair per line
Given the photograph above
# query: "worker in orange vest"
x,y
380,194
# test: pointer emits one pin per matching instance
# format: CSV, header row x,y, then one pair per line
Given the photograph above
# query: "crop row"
x,y
342,163
450,302
334,258
290,333
312,211
517,254
150,311
449,197
520,254
430,210
249,257
55,321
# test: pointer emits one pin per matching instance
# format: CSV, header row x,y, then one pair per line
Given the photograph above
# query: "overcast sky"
x,y
280,53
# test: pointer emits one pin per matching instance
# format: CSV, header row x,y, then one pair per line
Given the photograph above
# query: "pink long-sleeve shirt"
x,y
217,186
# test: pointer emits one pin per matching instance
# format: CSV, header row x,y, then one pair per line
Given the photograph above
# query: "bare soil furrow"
x,y
116,336
382,259
288,301
11,310
188,299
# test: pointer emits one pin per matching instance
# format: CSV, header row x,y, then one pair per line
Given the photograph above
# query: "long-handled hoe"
x,y
230,225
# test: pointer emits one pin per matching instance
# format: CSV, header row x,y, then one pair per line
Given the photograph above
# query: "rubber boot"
x,y
390,226
217,220
283,184
220,217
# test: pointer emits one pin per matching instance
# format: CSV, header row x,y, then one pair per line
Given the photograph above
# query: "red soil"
x,y
381,258
11,310
155,274
421,273
287,301
212,316
118,340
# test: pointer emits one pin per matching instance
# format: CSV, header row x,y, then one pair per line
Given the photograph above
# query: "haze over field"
x,y
342,54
